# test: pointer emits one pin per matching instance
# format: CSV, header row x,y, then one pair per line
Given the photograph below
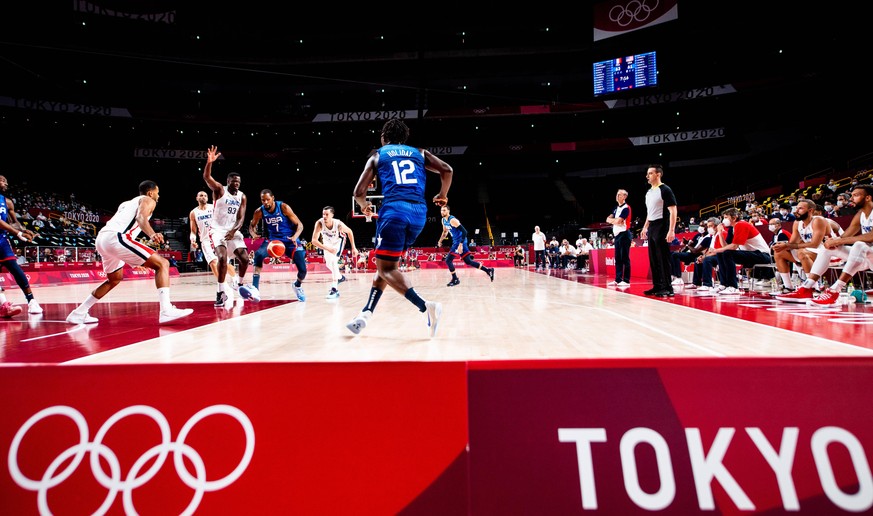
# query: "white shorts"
x,y
795,253
207,247
217,235
116,249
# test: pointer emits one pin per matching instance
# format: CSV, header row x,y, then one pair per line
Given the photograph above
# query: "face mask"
x,y
783,212
726,221
840,203
774,228
711,231
700,230
829,207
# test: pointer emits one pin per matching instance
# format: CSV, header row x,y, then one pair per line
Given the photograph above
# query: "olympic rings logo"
x,y
113,482
635,10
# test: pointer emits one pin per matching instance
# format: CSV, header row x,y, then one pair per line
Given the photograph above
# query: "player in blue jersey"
x,y
402,172
452,226
281,224
9,225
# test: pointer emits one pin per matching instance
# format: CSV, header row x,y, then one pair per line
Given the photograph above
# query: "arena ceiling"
x,y
741,88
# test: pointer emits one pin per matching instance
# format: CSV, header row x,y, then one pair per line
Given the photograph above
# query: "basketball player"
x,y
9,225
856,246
117,244
333,232
281,224
452,226
200,219
402,173
807,234
228,212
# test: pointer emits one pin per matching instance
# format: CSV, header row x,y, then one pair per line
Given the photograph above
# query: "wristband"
x,y
192,237
21,235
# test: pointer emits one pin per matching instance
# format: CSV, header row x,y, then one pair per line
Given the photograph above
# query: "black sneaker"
x,y
491,273
455,281
665,293
341,279
220,299
651,292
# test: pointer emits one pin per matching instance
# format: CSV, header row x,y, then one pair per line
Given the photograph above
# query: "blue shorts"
x,y
291,247
6,252
399,224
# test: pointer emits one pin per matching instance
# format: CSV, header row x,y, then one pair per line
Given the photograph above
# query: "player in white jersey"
x,y
807,234
329,235
228,212
200,221
854,246
857,247
116,242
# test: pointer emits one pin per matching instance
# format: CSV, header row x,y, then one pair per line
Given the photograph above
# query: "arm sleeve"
x,y
463,231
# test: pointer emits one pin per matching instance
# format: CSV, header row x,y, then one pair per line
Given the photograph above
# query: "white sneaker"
x,y
359,322
250,292
300,295
33,307
692,286
434,311
173,313
79,318
677,282
719,288
333,294
730,291
622,284
612,283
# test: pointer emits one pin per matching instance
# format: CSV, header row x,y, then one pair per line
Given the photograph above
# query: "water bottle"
x,y
774,285
850,288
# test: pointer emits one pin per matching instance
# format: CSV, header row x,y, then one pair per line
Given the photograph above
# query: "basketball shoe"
x,y
455,281
33,307
173,313
80,318
801,295
491,273
220,299
359,322
434,311
250,292
333,294
827,298
8,310
300,295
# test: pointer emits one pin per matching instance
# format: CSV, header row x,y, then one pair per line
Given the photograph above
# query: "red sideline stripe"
x,y
532,110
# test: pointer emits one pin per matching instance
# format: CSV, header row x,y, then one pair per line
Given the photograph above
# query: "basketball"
x,y
276,248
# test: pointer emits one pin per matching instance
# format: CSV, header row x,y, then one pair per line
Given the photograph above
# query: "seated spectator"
x,y
567,253
845,206
518,256
583,254
696,246
785,213
745,246
708,261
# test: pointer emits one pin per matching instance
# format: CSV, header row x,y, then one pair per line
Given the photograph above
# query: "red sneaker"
x,y
827,298
801,295
8,310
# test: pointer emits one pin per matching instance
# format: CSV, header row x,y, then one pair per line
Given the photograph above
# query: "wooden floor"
x,y
521,315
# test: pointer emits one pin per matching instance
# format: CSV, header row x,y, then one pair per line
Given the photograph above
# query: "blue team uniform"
x,y
403,212
280,228
6,252
458,237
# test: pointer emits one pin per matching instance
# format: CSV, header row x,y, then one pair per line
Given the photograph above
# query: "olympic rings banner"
x,y
677,436
233,439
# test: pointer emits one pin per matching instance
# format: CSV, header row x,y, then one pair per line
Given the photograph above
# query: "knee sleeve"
x,y
449,259
300,263
18,274
260,256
